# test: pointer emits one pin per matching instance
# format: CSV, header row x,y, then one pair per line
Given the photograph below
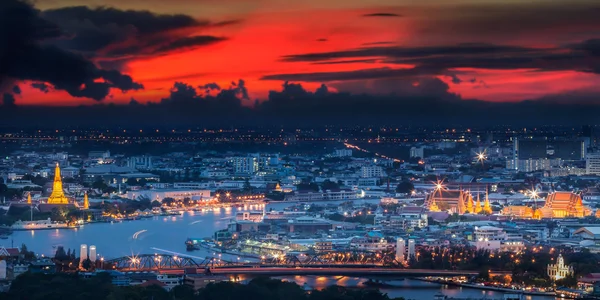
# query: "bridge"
x,y
171,264
341,271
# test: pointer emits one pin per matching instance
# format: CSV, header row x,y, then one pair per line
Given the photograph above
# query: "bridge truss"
x,y
152,262
338,259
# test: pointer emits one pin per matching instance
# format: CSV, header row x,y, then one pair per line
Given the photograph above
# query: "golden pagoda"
x,y
477,208
29,198
434,207
86,201
470,206
487,209
58,195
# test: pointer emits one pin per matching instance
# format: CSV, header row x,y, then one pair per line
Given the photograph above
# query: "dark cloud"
x,y
442,60
322,40
363,74
144,22
539,22
106,32
347,61
378,43
16,90
408,52
382,15
591,46
8,100
386,101
190,42
41,86
25,55
212,86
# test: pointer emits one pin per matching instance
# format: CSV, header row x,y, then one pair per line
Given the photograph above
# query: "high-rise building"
x,y
143,162
411,248
371,172
342,153
93,253
417,152
400,249
83,253
592,163
245,165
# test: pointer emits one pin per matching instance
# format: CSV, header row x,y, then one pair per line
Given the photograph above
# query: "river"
x,y
169,233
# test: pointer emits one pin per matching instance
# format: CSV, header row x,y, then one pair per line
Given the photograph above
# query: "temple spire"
x,y
29,198
433,206
58,194
477,205
487,209
86,201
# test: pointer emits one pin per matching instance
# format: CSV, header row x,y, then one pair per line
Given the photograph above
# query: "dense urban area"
x,y
514,210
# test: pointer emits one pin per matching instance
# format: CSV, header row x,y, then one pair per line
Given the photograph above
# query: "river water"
x,y
164,234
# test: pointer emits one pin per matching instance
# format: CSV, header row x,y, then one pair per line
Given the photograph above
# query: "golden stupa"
x,y
58,195
28,198
86,201
487,208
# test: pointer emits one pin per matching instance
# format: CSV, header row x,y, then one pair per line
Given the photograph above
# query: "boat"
x,y
41,225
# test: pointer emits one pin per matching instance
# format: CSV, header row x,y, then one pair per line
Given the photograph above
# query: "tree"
x,y
247,186
405,187
183,292
329,185
155,203
60,253
168,201
99,184
86,264
27,255
59,214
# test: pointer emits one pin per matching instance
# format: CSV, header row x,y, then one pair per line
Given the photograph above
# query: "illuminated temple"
x,y
453,201
459,202
58,194
564,205
558,205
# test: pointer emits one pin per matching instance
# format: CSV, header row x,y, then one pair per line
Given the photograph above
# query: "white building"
x,y
143,162
93,253
411,248
245,165
417,152
559,270
2,269
408,217
254,216
496,239
170,280
533,165
371,172
592,164
342,153
400,249
303,196
177,194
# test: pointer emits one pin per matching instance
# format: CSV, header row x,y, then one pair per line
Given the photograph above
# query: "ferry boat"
x,y
40,225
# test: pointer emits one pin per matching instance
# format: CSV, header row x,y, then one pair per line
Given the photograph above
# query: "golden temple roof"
x,y
58,194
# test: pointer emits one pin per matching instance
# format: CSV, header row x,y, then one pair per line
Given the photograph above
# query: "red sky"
x,y
268,30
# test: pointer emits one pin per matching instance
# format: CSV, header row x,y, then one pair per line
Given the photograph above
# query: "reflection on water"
x,y
407,288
